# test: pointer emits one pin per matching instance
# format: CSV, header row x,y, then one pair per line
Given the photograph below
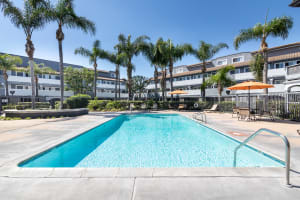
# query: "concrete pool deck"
x,y
22,139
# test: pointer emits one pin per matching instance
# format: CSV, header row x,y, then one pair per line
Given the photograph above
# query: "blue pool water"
x,y
151,140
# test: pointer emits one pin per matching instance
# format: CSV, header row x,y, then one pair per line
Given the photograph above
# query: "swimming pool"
x,y
151,140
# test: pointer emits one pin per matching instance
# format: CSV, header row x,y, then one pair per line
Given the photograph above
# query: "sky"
x,y
182,21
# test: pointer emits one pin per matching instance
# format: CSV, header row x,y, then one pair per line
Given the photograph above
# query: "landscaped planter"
x,y
46,113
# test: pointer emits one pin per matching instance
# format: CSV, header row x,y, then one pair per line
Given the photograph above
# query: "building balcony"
x,y
293,72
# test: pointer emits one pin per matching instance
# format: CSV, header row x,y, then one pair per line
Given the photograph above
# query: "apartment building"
x,y
283,73
19,83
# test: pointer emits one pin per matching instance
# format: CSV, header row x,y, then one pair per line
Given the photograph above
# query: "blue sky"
x,y
185,21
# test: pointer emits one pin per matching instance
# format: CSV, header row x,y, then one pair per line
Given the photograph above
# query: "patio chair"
x,y
181,107
155,107
214,108
245,113
235,111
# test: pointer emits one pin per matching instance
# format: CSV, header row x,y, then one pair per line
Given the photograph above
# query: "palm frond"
x,y
245,35
279,27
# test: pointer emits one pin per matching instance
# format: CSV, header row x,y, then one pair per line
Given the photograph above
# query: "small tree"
x,y
221,79
139,85
8,62
80,81
257,66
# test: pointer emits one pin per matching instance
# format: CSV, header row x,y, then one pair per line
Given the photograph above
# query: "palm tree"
x,y
150,53
130,49
277,27
204,53
31,18
63,13
221,79
8,62
175,53
118,59
162,61
93,55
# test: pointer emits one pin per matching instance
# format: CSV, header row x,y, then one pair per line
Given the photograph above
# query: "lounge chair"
x,y
214,108
181,107
235,111
244,113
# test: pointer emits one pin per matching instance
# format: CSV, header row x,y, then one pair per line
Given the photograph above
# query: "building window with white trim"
x,y
19,87
222,62
238,59
279,65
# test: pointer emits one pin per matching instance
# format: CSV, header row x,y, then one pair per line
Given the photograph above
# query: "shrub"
x,y
97,105
57,105
38,105
226,106
78,101
9,107
20,107
149,103
113,105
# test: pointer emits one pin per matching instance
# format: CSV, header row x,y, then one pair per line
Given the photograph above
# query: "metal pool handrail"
x,y
287,150
202,115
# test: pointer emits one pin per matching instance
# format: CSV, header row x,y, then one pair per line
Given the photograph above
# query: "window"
x,y
13,73
242,70
57,77
222,62
13,86
57,89
19,73
44,76
49,76
26,74
279,65
271,66
237,71
237,59
50,88
247,69
19,87
278,81
40,76
232,72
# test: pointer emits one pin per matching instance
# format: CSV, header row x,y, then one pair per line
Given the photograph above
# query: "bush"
x,y
57,105
149,104
78,101
20,107
226,106
97,105
38,105
113,105
9,107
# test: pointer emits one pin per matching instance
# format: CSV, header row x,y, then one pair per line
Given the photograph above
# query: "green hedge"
x,y
27,105
78,101
9,107
226,106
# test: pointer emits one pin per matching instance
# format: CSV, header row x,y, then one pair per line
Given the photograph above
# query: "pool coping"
x,y
12,170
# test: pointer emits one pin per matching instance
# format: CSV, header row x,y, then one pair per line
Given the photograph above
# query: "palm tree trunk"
x,y
30,51
156,81
265,70
203,80
60,38
171,77
129,83
219,92
37,85
95,79
116,82
6,83
163,84
119,81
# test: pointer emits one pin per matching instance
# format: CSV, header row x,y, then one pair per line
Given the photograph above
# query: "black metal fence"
x,y
281,105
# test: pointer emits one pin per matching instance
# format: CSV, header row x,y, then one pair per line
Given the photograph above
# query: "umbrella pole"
x,y
249,101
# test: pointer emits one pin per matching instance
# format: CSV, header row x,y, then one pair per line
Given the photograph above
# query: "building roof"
x,y
241,64
295,3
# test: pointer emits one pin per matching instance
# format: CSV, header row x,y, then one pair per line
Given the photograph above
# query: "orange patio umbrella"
x,y
250,85
178,92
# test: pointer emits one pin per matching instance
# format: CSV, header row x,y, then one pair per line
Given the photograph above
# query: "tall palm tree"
x,y
118,59
63,13
175,53
162,61
30,18
93,55
150,53
277,27
130,49
8,62
205,52
221,79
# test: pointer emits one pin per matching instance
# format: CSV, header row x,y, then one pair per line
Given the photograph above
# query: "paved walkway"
x,y
21,139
